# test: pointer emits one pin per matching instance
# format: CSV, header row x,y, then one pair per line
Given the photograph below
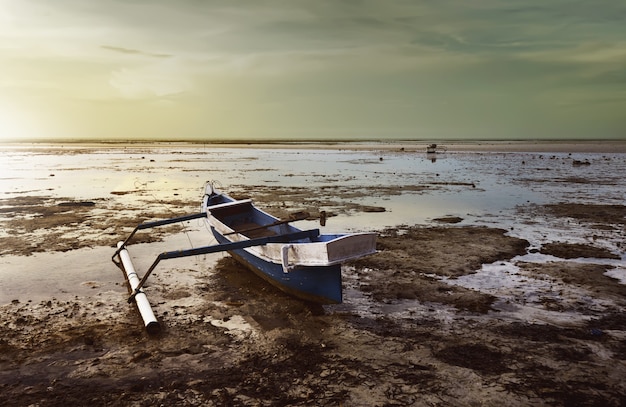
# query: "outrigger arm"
x,y
155,224
135,288
285,238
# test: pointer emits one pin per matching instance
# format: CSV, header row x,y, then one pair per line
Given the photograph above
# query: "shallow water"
x,y
482,188
502,180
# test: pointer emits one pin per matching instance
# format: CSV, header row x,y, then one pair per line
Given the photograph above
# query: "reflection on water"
x,y
474,186
482,188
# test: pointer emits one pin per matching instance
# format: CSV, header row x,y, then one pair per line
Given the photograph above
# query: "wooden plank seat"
x,y
253,230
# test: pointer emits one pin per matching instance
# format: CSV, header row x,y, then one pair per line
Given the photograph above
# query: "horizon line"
x,y
300,141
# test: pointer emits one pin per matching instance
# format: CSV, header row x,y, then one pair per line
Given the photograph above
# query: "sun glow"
x,y
14,124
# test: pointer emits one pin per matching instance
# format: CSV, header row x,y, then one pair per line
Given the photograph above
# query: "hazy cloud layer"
x,y
324,68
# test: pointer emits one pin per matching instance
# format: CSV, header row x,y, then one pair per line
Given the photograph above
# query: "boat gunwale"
x,y
319,249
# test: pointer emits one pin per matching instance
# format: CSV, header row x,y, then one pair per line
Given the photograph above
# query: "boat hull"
x,y
308,268
319,284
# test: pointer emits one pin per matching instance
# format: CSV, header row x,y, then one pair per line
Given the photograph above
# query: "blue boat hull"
x,y
315,284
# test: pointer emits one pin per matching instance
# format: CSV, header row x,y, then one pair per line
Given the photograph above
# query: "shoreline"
x,y
488,146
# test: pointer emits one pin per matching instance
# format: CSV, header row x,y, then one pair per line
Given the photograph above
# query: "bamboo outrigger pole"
x,y
125,263
149,320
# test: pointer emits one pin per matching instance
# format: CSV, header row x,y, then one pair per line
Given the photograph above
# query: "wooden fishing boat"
x,y
303,263
434,148
308,267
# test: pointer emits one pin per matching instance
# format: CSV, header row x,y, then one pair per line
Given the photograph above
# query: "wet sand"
x,y
412,330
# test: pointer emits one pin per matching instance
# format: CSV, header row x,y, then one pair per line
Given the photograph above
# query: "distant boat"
x,y
431,148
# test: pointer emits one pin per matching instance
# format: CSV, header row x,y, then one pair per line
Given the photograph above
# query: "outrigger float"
x,y
302,263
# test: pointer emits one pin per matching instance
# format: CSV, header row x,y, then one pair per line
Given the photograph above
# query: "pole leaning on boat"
x,y
143,305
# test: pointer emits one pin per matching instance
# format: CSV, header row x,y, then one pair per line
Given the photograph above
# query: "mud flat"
x,y
407,334
446,313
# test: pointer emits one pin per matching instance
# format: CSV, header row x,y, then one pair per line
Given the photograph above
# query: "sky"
x,y
317,69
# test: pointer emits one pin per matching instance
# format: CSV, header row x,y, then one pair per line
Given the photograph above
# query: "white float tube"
x,y
149,320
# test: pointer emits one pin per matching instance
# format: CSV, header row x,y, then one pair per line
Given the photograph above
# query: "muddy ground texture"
x,y
407,336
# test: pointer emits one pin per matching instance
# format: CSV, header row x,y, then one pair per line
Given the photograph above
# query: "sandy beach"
x,y
499,279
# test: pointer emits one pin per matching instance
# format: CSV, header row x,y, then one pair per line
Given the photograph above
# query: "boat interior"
x,y
243,218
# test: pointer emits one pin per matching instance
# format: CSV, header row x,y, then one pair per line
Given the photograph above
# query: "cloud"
x,y
157,80
318,64
134,51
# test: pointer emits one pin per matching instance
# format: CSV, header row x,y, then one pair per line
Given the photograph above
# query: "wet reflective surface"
x,y
432,318
469,185
481,188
